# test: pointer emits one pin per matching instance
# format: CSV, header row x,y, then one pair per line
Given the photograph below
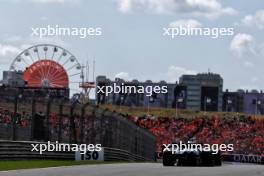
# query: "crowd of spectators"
x,y
90,125
65,124
245,133
22,119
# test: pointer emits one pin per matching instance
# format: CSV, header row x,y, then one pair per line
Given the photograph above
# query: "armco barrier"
x,y
121,155
20,150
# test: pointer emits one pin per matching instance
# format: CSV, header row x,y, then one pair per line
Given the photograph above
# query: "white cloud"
x,y
254,79
44,18
13,38
243,45
256,20
249,87
188,23
47,1
123,75
49,40
7,50
205,8
7,53
54,1
13,45
29,41
175,72
248,64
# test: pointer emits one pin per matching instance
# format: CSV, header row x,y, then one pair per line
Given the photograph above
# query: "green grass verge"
x,y
30,164
168,112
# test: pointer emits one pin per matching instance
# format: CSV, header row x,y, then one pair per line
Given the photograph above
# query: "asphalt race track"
x,y
141,169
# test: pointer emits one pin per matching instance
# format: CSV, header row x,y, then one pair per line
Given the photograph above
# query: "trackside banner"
x,y
235,158
90,155
244,158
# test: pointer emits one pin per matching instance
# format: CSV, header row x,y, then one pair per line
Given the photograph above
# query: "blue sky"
x,y
132,44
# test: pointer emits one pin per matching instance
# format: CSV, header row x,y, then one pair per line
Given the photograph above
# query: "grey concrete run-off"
x,y
141,169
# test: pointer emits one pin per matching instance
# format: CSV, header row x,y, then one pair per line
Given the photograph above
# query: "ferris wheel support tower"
x,y
87,85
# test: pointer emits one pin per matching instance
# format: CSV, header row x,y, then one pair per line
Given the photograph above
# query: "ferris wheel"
x,y
48,66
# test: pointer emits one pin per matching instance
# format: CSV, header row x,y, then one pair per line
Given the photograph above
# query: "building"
x,y
203,91
190,93
233,101
135,99
249,102
13,79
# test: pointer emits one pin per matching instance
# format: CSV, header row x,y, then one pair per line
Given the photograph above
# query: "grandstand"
x,y
76,124
35,105
244,131
41,110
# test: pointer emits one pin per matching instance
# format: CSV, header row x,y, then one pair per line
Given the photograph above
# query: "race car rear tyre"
x,y
191,160
217,159
207,159
168,159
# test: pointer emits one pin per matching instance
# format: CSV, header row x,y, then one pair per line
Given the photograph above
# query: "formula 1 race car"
x,y
191,158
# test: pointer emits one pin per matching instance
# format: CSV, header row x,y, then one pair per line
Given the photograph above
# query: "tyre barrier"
x,y
21,150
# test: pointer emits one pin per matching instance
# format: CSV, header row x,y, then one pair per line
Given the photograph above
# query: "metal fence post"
x,y
72,135
82,123
60,120
48,118
14,117
33,113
